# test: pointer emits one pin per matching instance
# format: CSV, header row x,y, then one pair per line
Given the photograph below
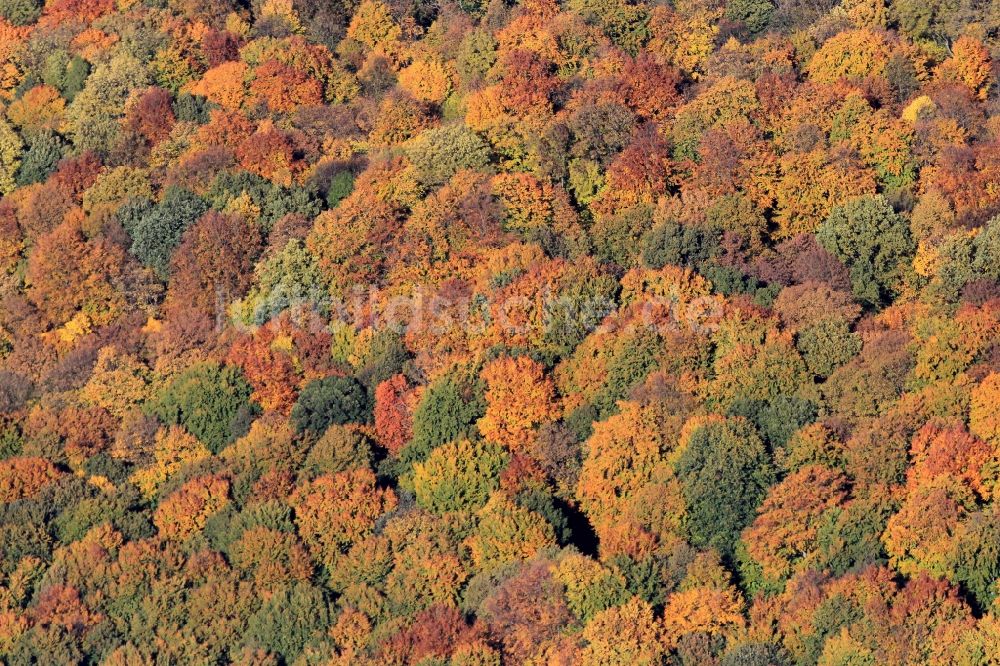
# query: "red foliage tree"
x,y
153,115
394,413
434,633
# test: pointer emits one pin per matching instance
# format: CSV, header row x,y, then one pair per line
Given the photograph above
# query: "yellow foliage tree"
x,y
707,602
335,510
626,475
866,13
373,26
784,533
118,382
12,54
918,538
685,43
984,410
428,80
10,156
174,449
627,635
458,476
507,533
40,108
811,185
853,54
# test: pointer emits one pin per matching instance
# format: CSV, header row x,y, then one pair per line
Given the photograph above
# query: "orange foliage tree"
x,y
519,398
185,512
394,405
70,276
24,477
782,539
970,65
335,510
283,88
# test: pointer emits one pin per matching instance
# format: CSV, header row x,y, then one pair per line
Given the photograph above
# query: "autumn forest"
x,y
500,332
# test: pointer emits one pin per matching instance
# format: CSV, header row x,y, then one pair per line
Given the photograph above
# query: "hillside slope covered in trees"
x,y
481,333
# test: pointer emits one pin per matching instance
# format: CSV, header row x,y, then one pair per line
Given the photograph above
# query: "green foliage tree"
x,y
93,115
341,184
383,356
66,73
190,108
929,20
986,248
330,401
849,537
288,620
582,305
20,12
211,401
827,345
670,242
625,24
776,420
537,499
45,149
977,557
440,153
160,229
633,359
476,55
339,449
725,472
448,410
286,279
754,14
874,242
616,237
130,213
272,200
755,654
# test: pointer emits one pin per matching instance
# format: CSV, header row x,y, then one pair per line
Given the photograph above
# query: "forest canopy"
x,y
496,332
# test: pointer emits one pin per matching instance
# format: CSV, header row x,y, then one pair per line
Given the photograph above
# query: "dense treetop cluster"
x,y
481,333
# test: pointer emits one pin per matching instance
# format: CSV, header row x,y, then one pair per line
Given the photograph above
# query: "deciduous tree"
x,y
519,398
